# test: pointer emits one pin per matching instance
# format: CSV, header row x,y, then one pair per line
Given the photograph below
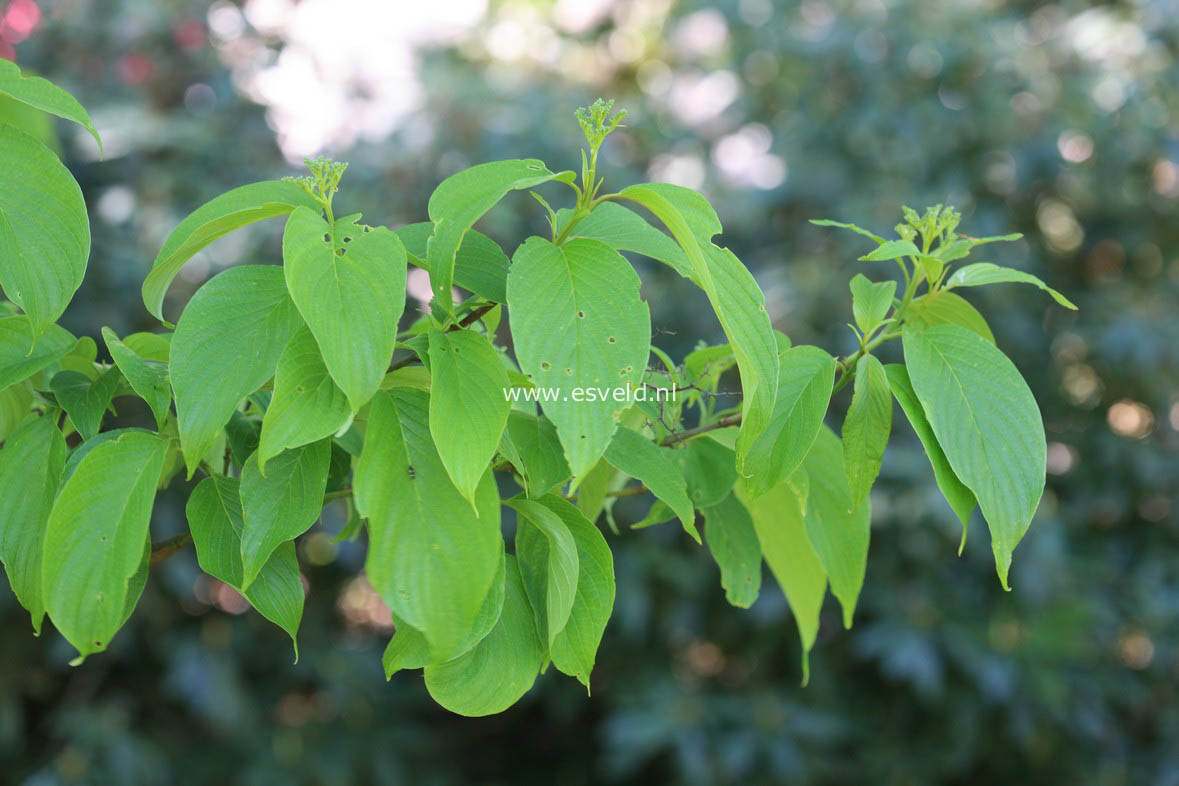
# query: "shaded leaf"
x,y
633,454
866,428
547,556
30,468
732,540
147,376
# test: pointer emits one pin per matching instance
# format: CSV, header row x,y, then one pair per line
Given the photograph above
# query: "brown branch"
x,y
628,492
683,436
166,548
465,322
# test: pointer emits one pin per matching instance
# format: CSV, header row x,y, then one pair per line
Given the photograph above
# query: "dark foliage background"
x,y
1058,120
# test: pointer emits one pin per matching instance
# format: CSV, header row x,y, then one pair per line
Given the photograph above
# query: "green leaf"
x,y
633,454
574,649
281,505
947,308
84,399
501,668
826,222
431,557
95,536
871,301
983,273
307,405
44,232
733,293
147,376
624,230
578,323
779,520
459,201
892,249
226,346
805,381
46,96
987,422
413,650
532,445
408,649
30,468
216,521
216,218
732,539
350,289
15,403
866,428
468,408
591,494
837,528
547,555
480,266
961,499
709,469
20,357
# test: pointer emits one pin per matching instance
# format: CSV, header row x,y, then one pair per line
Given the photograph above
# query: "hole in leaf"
x,y
581,315
545,365
612,340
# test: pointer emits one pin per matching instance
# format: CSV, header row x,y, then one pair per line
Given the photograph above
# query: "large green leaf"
x,y
85,399
961,499
216,521
44,95
44,232
30,468
217,217
780,522
735,297
148,376
468,407
624,230
282,504
501,668
581,328
409,649
21,357
226,346
574,649
531,444
94,540
947,308
732,539
866,427
547,555
633,454
983,273
988,424
480,265
348,282
805,380
431,557
459,201
307,405
837,528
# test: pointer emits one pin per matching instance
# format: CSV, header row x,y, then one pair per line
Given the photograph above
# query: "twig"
x,y
166,548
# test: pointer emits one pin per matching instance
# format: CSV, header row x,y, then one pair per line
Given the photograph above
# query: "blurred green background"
x,y
1058,120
